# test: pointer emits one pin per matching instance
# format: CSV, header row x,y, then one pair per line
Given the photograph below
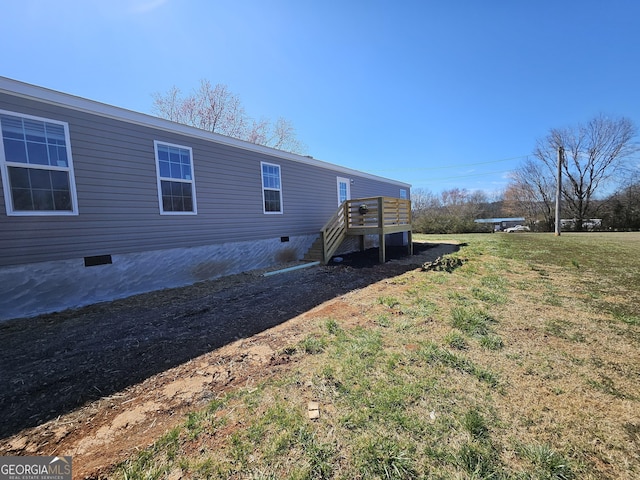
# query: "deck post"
x,y
381,239
409,232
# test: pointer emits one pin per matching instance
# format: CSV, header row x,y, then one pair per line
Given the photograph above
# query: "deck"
x,y
367,216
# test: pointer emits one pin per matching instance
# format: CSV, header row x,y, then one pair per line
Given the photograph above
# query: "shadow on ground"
x,y
53,364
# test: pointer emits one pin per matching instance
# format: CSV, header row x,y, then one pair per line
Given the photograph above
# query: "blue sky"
x,y
440,94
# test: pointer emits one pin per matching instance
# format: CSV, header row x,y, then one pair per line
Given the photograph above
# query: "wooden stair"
x,y
314,254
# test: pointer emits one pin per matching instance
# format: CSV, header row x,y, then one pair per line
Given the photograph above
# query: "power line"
x,y
458,165
460,176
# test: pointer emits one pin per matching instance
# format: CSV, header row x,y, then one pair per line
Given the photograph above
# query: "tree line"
x,y
600,173
455,211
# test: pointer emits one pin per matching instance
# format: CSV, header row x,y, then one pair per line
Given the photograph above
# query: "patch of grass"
x,y
494,282
383,320
289,350
541,271
628,318
364,343
432,353
215,405
384,458
332,326
472,321
488,296
154,462
606,385
456,340
193,424
551,297
547,463
206,468
475,424
460,299
319,456
557,328
478,460
524,284
562,329
283,425
239,448
388,301
492,342
313,345
439,278
421,308
405,326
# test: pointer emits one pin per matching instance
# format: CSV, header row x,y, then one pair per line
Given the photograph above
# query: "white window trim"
x,y
404,194
264,210
340,180
6,184
159,179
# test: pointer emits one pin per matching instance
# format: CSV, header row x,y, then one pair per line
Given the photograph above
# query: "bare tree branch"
x,y
532,192
217,109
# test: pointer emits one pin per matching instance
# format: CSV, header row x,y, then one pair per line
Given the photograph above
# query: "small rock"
x,y
313,410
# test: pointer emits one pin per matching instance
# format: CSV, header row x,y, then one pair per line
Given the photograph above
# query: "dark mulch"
x,y
53,364
370,257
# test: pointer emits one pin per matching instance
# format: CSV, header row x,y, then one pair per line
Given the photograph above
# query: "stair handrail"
x,y
333,233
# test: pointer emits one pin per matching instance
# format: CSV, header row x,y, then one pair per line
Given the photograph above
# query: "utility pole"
x,y
559,189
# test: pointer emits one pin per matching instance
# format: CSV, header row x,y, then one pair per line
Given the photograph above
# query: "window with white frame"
x,y
271,188
36,166
176,186
403,193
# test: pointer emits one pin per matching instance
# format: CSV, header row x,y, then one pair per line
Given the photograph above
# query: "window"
x,y
176,187
403,193
36,166
271,188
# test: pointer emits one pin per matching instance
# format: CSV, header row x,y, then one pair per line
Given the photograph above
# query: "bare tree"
x,y
593,154
423,200
280,135
284,136
217,109
452,211
169,105
531,193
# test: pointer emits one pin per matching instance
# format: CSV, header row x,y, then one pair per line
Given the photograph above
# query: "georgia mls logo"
x,y
35,468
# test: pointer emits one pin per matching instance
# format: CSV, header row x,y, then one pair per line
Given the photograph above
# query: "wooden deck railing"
x,y
366,216
333,233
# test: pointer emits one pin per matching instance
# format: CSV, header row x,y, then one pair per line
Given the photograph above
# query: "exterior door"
x,y
344,190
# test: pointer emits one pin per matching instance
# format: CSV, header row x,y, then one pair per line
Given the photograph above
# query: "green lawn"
x,y
522,363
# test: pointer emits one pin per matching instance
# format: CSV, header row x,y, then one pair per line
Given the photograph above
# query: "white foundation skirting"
x,y
33,289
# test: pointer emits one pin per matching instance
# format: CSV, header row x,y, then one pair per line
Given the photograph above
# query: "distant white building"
x,y
499,224
587,224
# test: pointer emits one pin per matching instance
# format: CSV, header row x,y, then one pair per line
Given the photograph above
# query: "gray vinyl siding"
x,y
115,174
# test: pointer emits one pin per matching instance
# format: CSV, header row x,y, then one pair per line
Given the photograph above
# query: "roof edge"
x,y
30,91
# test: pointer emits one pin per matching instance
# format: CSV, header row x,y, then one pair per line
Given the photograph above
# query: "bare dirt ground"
x,y
101,382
